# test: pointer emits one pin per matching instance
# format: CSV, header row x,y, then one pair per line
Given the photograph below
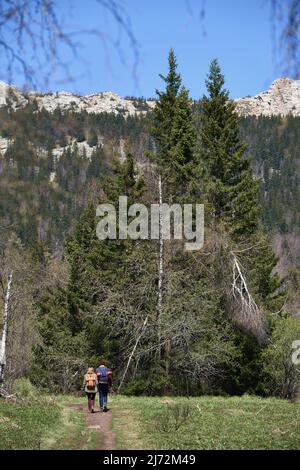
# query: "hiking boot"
x,y
93,411
105,409
101,409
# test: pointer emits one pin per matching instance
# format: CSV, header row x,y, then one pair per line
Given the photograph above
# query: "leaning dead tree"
x,y
247,314
4,332
133,351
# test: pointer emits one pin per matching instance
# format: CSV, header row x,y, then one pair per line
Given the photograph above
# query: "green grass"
x,y
72,432
23,426
68,433
45,424
155,423
206,423
127,423
91,440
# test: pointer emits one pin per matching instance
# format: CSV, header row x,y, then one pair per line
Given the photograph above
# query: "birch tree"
x,y
4,332
18,283
174,157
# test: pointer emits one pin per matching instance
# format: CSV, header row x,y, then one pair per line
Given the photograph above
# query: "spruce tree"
x,y
185,312
98,269
164,112
174,135
232,192
231,188
182,163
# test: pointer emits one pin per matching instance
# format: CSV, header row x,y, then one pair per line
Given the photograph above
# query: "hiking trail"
x,y
99,421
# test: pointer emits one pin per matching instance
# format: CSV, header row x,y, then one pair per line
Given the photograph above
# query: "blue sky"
x,y
238,33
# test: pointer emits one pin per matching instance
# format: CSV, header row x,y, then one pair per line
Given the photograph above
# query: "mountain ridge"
x,y
93,103
281,99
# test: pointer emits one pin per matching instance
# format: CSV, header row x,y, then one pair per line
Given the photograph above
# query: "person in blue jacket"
x,y
104,376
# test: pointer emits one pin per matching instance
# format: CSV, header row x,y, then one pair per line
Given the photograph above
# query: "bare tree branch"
x,y
32,35
286,34
249,315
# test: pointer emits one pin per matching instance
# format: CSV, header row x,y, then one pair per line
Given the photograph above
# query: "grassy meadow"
x,y
245,422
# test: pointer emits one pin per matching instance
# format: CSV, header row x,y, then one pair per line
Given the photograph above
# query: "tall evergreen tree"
x,y
164,112
183,164
181,318
98,268
174,135
231,188
232,192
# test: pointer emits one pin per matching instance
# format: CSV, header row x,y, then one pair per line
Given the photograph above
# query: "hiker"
x,y
104,383
90,387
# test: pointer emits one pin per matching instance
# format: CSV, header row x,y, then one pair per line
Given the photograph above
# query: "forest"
x,y
226,314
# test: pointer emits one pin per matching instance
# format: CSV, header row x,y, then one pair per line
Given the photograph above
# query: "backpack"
x,y
102,373
90,381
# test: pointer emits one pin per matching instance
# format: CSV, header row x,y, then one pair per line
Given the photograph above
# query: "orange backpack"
x,y
90,381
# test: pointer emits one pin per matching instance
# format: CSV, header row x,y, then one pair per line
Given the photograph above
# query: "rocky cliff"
x,y
96,103
282,98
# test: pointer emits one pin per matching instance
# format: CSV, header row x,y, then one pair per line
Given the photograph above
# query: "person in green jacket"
x,y
90,387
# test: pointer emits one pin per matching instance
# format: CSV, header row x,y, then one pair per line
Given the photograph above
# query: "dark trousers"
x,y
91,400
103,392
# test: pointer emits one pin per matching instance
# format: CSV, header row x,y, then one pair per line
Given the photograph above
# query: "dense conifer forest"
x,y
225,314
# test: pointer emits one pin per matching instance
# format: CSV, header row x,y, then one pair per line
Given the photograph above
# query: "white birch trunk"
x,y
4,332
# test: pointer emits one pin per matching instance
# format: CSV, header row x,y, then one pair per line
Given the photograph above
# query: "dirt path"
x,y
99,422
